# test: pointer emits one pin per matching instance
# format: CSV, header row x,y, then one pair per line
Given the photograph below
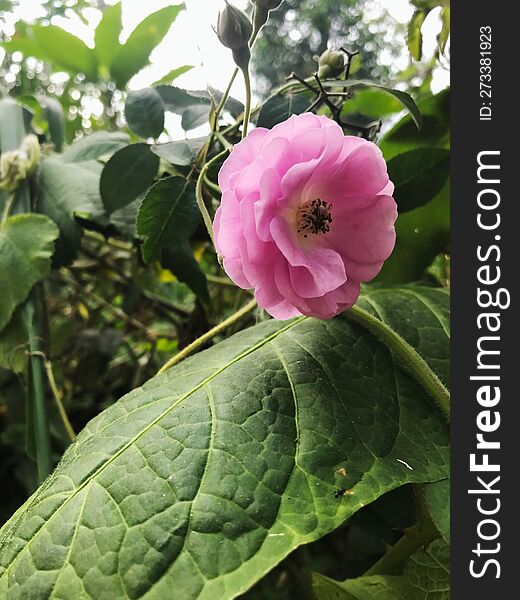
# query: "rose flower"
x,y
307,214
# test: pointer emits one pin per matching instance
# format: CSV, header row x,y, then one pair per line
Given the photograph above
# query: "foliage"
x,y
288,449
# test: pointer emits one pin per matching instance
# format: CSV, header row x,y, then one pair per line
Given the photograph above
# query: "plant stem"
x,y
402,349
36,392
414,538
247,112
58,398
391,562
7,208
200,198
208,335
220,280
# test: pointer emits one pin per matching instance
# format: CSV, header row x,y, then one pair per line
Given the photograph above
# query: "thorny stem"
x,y
209,335
410,358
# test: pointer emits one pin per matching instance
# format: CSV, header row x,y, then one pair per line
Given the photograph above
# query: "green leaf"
x,y
426,577
420,315
12,126
135,53
26,247
280,108
234,453
421,235
68,189
437,496
404,98
183,265
194,117
65,50
53,111
177,100
435,130
173,74
96,146
168,216
127,175
106,37
415,39
419,175
444,34
372,103
182,153
144,112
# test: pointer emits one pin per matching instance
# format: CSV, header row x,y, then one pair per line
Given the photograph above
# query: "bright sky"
x,y
192,41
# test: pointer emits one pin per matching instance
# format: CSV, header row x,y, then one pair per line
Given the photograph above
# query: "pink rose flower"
x,y
307,214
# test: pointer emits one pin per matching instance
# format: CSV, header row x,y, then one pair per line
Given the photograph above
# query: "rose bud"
x,y
234,29
331,64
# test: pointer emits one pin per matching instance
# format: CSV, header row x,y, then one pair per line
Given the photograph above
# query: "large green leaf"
x,y
62,49
68,189
127,175
107,34
26,247
135,53
426,577
144,112
419,175
168,216
209,475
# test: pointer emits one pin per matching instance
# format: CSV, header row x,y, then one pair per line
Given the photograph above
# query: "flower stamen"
x,y
314,216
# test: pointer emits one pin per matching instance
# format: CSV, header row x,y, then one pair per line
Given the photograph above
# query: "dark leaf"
x,y
68,189
168,216
144,112
56,119
419,175
127,175
183,265
280,108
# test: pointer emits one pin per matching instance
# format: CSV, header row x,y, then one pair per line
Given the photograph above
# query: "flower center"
x,y
314,216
